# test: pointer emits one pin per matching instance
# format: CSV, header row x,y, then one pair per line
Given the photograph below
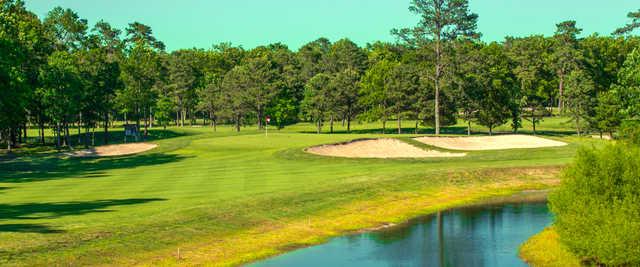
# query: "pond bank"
x,y
545,250
381,210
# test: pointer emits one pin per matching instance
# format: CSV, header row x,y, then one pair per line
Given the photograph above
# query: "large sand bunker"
x,y
490,142
113,150
378,148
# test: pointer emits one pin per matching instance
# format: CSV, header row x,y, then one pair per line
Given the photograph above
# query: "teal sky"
x,y
201,23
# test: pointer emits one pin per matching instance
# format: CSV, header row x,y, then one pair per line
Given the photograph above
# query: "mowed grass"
x,y
200,189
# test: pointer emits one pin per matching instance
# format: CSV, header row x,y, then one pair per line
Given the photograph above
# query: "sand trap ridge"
x,y
490,142
378,148
113,150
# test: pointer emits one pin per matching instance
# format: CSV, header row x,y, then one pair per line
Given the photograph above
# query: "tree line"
x,y
61,73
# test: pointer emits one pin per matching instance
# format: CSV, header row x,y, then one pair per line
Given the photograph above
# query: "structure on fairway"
x,y
378,148
497,142
113,150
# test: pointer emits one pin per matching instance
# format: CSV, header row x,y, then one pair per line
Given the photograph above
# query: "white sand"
x,y
378,148
113,150
497,142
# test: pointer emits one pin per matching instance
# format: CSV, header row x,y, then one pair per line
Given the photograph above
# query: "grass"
x,y
545,250
229,198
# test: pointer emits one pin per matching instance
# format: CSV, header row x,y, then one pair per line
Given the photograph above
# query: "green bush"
x,y
597,207
630,131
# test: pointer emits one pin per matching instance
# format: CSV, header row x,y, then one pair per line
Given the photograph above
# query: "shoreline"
x,y
262,242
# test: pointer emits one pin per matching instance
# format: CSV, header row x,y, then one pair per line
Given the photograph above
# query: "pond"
x,y
485,234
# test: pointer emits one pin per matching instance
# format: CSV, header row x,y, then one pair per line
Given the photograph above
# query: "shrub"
x,y
630,131
597,207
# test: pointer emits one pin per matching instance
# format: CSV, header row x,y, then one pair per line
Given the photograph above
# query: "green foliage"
x,y
608,115
598,205
164,111
495,77
628,86
581,100
630,132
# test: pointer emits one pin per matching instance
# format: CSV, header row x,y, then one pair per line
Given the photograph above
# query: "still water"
x,y
486,234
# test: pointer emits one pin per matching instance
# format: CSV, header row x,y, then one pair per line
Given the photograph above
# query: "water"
x,y
487,234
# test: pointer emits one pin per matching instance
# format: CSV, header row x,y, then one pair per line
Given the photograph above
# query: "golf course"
x,y
319,133
225,198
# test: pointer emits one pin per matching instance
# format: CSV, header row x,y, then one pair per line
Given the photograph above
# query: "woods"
x,y
61,73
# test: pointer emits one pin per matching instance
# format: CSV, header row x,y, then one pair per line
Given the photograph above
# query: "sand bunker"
x,y
490,142
113,150
378,148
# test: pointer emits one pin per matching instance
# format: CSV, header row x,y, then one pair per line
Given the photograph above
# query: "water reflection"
x,y
488,234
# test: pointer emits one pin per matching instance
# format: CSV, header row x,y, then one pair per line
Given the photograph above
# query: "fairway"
x,y
199,186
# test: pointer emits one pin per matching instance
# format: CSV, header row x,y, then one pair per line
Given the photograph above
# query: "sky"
x,y
250,23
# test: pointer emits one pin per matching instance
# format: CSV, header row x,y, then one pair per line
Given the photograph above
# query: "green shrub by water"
x,y
598,205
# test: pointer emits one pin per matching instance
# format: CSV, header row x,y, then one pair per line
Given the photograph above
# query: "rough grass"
x,y
545,250
229,198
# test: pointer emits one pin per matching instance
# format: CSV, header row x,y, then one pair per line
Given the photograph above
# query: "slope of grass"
x,y
229,198
545,250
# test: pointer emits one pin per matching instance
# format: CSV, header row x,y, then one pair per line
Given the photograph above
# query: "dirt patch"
x,y
378,148
498,142
113,150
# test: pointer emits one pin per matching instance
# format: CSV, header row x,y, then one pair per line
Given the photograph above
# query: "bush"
x,y
630,131
597,207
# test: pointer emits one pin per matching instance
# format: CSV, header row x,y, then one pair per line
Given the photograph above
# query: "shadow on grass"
x,y
28,228
34,211
33,169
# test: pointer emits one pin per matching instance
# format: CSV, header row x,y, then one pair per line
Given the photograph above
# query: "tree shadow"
x,y
33,169
28,228
36,211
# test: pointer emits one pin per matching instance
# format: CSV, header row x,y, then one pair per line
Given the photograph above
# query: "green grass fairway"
x,y
199,187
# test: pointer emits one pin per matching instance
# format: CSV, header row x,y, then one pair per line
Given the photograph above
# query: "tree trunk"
x,y
19,134
79,128
469,128
437,74
146,124
58,135
183,116
319,126
137,124
384,125
66,135
238,123
561,92
86,137
533,120
41,133
106,128
399,124
9,141
348,124
150,117
260,111
490,130
331,124
416,128
25,128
